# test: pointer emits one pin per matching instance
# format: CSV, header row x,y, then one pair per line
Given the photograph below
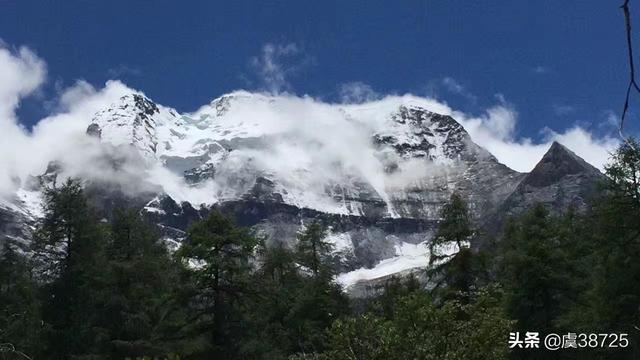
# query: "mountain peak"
x,y
557,163
414,131
222,104
143,103
132,120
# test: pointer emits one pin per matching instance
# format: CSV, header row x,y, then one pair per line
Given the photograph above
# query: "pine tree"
x,y
20,325
312,250
319,300
217,256
278,265
612,236
454,275
277,280
385,304
455,226
421,329
623,176
67,230
534,270
139,278
296,300
69,248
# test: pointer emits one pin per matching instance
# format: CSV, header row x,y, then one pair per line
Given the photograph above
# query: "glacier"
x,y
376,173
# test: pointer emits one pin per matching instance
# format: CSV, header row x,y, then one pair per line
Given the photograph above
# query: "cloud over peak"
x,y
276,64
61,135
21,73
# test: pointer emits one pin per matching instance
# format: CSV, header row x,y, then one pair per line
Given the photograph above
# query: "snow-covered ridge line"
x,y
276,162
318,156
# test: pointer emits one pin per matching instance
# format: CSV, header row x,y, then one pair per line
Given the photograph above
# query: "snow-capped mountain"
x,y
389,168
377,174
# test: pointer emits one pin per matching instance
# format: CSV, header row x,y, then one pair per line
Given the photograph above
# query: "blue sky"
x,y
557,63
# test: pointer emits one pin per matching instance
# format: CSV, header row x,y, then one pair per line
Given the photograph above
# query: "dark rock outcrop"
x,y
373,219
560,180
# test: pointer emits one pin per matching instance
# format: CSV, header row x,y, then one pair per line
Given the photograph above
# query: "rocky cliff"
x,y
376,175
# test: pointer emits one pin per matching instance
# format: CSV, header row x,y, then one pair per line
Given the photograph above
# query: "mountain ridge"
x,y
378,183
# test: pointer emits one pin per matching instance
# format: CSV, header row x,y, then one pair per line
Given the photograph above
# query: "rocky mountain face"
x,y
376,175
18,217
15,226
561,180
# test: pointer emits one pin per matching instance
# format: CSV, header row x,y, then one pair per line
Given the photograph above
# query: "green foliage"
x,y
420,329
455,226
385,304
454,276
579,272
68,234
96,289
295,304
609,301
69,246
278,266
20,327
106,289
269,320
476,329
138,282
312,250
319,301
623,175
216,256
533,270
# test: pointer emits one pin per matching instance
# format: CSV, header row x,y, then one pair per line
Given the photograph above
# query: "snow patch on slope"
x,y
408,256
319,156
32,202
341,241
26,202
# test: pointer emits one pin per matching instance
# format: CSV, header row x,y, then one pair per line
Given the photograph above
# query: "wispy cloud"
x,y
61,135
563,109
357,92
495,129
277,63
122,71
540,69
22,72
455,87
612,119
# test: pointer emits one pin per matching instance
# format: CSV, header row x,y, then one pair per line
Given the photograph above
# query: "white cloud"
x,y
123,70
357,92
612,120
500,120
455,87
563,109
276,63
61,136
21,73
596,150
495,131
